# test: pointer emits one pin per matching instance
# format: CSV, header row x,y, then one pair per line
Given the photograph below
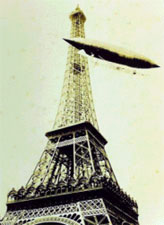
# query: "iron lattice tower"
x,y
76,103
73,182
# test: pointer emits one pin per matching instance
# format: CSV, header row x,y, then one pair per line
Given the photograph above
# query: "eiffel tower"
x,y
73,182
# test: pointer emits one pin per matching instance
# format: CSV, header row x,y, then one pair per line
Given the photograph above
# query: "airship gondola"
x,y
111,53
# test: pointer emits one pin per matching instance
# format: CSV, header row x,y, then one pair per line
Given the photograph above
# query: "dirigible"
x,y
111,53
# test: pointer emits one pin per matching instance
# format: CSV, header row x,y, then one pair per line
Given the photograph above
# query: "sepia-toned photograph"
x,y
81,112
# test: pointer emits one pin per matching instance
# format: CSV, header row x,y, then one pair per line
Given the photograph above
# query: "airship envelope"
x,y
111,53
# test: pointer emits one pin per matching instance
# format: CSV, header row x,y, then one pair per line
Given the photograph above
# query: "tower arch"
x,y
53,220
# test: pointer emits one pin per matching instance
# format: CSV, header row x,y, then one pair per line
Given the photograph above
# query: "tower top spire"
x,y
77,12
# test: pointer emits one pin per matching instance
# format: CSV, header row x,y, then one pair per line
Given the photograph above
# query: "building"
x,y
73,182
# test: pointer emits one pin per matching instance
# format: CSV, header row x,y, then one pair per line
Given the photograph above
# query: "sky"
x,y
129,107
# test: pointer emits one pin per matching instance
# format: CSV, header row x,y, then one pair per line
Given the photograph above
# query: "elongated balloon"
x,y
111,53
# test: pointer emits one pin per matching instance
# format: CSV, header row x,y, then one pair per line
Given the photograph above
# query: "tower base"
x,y
87,212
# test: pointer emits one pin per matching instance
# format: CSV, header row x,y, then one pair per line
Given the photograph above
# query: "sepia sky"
x,y
129,107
